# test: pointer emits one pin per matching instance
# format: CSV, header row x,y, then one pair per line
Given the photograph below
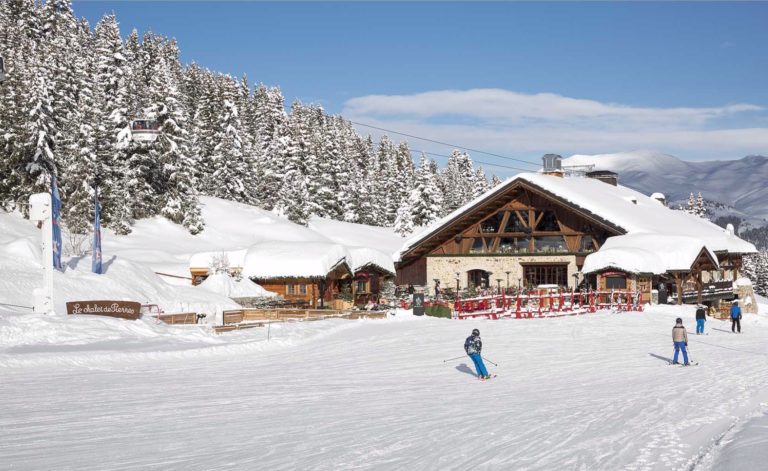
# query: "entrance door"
x,y
480,279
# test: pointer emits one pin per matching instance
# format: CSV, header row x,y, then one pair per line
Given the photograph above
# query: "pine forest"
x,y
76,100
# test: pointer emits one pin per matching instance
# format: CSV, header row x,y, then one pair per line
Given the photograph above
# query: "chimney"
x,y
660,198
612,178
553,165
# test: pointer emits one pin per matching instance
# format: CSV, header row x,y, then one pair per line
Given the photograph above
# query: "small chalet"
x,y
573,231
314,274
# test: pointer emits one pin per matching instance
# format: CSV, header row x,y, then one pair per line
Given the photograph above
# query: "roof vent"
x,y
612,178
553,165
729,229
660,198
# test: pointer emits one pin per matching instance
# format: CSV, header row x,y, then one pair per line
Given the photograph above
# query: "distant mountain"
x,y
740,184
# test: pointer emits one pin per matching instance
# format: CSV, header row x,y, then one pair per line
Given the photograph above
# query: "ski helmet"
x,y
475,332
679,321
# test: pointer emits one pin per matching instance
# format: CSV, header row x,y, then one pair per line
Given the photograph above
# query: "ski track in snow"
x,y
577,393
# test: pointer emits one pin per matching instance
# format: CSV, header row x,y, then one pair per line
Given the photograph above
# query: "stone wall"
x,y
445,268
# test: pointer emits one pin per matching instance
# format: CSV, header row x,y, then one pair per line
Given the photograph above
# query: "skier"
x,y
680,339
735,317
473,346
701,317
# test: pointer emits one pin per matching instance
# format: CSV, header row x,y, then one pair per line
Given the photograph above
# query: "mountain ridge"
x,y
738,183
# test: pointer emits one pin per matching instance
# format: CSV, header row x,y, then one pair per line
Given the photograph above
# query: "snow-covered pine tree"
x,y
481,182
179,193
425,198
495,181
404,219
701,210
113,132
229,179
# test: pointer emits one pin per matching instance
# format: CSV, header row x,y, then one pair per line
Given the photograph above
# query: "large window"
x,y
513,245
546,274
616,282
514,224
492,224
548,222
550,244
586,244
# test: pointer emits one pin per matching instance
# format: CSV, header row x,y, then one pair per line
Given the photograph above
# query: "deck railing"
x,y
551,304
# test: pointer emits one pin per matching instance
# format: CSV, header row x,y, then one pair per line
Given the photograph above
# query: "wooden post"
x,y
679,284
700,286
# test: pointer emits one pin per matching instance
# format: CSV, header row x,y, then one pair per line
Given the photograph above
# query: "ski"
x,y
693,363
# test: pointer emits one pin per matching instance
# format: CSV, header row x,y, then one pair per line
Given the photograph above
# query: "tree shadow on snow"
x,y
105,266
668,360
465,369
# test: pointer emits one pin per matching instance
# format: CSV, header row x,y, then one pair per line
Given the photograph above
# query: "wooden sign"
x,y
122,309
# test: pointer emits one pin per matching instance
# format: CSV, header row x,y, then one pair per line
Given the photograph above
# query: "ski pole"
x,y
451,359
489,361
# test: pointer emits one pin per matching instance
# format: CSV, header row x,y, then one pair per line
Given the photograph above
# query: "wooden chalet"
x,y
311,291
368,282
538,229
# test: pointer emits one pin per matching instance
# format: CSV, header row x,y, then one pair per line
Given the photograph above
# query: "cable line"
x,y
473,161
447,144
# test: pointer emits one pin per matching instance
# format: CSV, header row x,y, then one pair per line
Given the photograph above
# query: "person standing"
x,y
680,340
735,317
701,318
474,346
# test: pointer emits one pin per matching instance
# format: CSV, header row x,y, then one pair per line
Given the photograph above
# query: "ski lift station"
x,y
144,130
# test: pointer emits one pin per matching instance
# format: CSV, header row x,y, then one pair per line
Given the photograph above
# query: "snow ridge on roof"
x,y
647,253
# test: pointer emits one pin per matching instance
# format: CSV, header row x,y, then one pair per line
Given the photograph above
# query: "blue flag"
x,y
56,221
96,263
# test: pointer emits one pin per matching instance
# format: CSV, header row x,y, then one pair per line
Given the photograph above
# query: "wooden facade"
x,y
368,282
519,228
524,236
315,292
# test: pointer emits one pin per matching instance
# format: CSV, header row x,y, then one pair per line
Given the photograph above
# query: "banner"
x,y
96,262
56,223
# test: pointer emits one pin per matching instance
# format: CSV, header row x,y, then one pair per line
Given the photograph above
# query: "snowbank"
x,y
222,283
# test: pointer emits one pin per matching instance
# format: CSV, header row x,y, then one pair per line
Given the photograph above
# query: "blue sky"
x,y
519,79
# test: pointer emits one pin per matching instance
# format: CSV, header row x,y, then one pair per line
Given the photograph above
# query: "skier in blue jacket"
x,y
473,346
735,317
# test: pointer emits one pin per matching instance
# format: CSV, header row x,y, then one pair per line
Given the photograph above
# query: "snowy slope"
x,y
122,278
738,183
587,392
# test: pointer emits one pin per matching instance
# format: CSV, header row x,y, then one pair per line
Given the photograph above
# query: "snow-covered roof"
x,y
647,253
278,259
224,284
627,209
236,258
360,257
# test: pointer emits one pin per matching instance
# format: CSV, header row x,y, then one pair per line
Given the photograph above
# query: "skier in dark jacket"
x,y
735,317
473,346
701,317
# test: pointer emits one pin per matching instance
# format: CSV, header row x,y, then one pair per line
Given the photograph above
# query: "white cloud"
x,y
505,121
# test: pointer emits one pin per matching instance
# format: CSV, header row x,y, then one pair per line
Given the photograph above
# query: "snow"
x,y
646,253
123,279
276,259
371,394
223,283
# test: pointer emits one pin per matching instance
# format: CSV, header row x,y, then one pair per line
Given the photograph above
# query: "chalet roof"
x,y
648,253
278,259
625,210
